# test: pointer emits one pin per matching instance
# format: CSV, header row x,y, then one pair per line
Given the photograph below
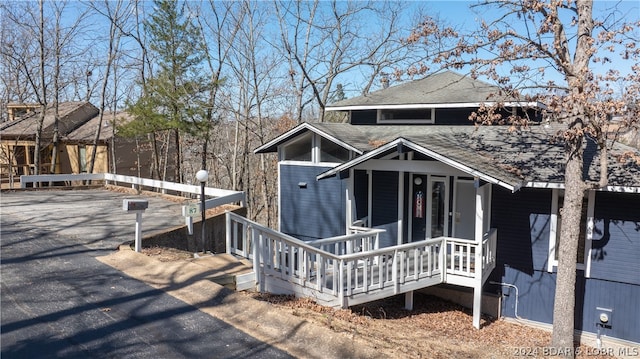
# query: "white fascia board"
x,y
548,185
283,137
413,146
433,105
296,130
358,160
621,189
460,166
335,140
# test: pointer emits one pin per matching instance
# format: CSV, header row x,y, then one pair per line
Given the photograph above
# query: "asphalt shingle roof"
x,y
442,88
514,157
72,115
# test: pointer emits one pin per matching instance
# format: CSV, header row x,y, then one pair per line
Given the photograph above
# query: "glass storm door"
x,y
418,207
438,207
429,207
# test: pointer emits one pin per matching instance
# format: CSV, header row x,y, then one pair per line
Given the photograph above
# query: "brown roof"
x,y
87,131
71,116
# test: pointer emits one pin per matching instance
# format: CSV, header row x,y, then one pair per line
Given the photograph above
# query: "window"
x,y
586,220
82,159
315,149
407,116
300,149
331,152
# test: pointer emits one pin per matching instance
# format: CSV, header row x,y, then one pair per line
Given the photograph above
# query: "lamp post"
x,y
202,176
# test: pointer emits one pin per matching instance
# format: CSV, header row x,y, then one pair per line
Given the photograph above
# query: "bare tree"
x,y
218,36
116,17
63,38
325,41
526,44
255,69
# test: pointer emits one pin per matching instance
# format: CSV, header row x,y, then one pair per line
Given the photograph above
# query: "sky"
x,y
460,13
453,12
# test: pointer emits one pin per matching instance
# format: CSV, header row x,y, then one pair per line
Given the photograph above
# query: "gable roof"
x,y
527,157
71,116
446,89
87,131
331,131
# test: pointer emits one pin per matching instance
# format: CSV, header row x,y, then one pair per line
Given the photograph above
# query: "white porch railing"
x,y
361,239
463,254
489,243
347,270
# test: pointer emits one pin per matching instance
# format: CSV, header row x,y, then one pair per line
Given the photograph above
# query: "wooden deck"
x,y
349,270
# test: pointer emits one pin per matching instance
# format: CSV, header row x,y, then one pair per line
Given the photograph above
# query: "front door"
x,y
428,207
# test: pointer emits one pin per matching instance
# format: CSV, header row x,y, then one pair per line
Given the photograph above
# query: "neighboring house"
x,y
77,126
409,161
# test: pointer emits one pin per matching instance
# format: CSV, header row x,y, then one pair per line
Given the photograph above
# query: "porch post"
x,y
479,223
477,304
400,206
349,202
408,300
479,228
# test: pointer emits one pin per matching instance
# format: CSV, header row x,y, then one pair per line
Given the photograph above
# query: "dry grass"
x,y
433,329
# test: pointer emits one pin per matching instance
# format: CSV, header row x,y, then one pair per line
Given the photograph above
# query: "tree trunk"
x,y
178,163
203,162
565,297
155,162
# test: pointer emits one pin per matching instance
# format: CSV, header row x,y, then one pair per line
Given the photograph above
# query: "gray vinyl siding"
x,y
522,221
385,206
314,212
536,295
615,248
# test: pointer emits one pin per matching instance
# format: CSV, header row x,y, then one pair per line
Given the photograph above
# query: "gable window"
x,y
331,152
313,148
584,239
300,149
407,116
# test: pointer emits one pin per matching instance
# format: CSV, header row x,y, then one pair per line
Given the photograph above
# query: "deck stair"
x,y
230,271
351,269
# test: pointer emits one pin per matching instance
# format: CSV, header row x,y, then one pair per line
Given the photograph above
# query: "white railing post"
x,y
256,259
442,255
227,218
478,261
341,298
394,276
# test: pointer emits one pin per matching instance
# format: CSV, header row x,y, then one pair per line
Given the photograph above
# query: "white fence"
x,y
222,196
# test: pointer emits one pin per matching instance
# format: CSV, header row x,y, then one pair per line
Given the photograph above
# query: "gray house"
x,y
410,162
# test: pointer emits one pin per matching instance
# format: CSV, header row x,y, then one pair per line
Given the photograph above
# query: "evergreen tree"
x,y
171,99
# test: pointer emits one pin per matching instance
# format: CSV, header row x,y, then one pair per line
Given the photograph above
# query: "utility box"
x,y
131,205
604,317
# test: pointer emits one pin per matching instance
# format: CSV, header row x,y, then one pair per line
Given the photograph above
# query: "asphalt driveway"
x,y
58,300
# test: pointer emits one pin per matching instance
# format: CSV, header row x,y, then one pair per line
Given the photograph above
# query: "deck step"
x,y
227,270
